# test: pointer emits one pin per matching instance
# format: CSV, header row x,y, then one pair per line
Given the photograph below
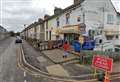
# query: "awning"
x,y
71,29
63,31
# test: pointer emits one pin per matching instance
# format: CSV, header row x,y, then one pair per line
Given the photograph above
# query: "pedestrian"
x,y
66,48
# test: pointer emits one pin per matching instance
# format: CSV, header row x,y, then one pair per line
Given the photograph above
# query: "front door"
x,y
69,37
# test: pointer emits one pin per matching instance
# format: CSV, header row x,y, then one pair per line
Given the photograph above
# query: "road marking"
x,y
25,80
115,78
24,74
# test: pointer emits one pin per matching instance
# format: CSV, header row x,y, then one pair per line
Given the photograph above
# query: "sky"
x,y
15,13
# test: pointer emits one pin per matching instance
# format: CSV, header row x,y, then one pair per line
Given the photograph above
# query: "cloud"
x,y
15,13
116,4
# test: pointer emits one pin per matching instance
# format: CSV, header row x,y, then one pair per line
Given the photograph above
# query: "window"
x,y
46,35
117,36
47,25
110,19
57,22
49,35
78,19
67,18
117,50
109,37
91,32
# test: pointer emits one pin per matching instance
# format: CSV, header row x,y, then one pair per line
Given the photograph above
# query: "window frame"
x,y
110,19
67,18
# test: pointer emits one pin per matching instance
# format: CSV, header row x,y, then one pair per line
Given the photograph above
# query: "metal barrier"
x,y
47,45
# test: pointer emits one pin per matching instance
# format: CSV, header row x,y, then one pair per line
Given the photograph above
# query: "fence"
x,y
85,54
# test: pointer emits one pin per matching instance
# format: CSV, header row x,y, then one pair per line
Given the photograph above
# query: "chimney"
x,y
78,1
46,16
40,20
57,10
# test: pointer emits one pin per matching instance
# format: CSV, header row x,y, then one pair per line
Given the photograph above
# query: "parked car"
x,y
18,39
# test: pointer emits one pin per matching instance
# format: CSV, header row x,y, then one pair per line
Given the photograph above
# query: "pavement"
x,y
36,59
45,61
56,55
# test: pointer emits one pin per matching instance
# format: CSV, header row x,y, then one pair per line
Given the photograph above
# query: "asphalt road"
x,y
9,70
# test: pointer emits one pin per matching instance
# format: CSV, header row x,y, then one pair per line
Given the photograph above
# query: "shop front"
x,y
70,32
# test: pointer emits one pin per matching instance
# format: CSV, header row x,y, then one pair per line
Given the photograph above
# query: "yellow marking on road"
x,y
38,75
25,80
24,74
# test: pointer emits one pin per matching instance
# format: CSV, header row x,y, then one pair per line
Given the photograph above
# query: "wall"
x,y
3,33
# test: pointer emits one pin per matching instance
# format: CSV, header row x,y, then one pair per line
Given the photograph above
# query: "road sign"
x,y
102,63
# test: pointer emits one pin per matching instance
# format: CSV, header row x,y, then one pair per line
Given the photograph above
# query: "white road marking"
x,y
25,80
24,74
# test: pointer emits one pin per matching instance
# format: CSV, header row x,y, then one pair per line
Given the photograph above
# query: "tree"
x,y
12,33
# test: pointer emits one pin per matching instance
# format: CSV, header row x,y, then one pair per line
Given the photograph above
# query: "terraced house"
x,y
34,30
95,19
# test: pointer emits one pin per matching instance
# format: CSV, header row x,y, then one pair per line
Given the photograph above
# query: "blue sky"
x,y
15,13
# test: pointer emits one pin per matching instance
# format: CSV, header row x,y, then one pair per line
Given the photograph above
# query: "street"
x,y
9,69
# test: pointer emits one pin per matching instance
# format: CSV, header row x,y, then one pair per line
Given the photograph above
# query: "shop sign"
x,y
82,28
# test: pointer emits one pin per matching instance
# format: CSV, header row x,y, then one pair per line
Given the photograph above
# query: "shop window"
x,y
67,18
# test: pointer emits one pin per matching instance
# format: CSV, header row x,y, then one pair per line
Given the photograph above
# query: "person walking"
x,y
66,48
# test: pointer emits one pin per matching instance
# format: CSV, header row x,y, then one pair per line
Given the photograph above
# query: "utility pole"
x,y
103,10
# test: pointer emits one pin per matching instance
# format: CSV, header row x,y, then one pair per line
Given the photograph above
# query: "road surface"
x,y
9,70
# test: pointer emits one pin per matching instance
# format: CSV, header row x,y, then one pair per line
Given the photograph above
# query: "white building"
x,y
97,19
34,31
100,18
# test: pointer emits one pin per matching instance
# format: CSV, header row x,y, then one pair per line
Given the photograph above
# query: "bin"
x,y
76,46
50,44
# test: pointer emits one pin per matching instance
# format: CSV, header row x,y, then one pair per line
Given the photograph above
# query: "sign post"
x,y
81,40
95,72
103,63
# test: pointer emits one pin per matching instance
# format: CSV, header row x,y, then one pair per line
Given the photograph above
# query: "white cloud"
x,y
116,4
15,13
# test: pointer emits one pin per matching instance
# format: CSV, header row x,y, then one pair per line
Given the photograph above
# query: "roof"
x,y
1,27
72,6
118,13
114,8
64,10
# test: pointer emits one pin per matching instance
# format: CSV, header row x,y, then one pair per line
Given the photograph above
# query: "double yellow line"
x,y
20,56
